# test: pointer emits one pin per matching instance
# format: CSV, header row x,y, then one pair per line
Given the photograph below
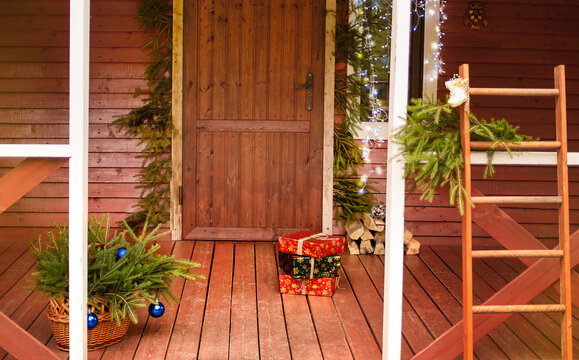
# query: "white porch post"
x,y
394,247
78,174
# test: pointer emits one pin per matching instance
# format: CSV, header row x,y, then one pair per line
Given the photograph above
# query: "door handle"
x,y
309,86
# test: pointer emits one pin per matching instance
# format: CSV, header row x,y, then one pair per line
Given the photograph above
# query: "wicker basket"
x,y
104,334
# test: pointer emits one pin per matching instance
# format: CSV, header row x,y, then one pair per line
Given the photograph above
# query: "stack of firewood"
x,y
366,236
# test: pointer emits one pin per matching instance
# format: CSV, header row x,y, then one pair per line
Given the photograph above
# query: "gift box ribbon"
x,y
320,236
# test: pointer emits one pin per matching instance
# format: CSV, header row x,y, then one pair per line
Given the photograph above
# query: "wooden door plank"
x,y
218,180
187,330
203,186
302,184
261,179
273,341
215,333
503,336
519,291
301,333
288,59
24,177
358,333
274,179
157,332
232,180
448,305
367,296
248,58
329,329
244,338
246,179
274,69
288,174
262,51
21,344
233,51
219,58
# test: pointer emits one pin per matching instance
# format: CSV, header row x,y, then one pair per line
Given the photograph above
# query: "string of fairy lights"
x,y
377,48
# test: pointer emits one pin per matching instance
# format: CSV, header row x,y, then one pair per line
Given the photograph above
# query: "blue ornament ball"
x,y
157,310
92,320
121,252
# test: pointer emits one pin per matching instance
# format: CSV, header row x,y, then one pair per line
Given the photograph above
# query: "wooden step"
x,y
521,145
500,309
516,199
516,253
513,92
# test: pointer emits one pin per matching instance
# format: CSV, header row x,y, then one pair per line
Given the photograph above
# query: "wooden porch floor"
x,y
238,312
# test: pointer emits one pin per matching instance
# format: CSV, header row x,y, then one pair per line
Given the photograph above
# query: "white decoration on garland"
x,y
458,91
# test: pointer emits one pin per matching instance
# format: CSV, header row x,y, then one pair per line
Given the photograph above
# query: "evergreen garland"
x,y
362,36
120,284
432,148
152,122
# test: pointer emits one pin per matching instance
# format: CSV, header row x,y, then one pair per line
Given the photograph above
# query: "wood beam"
x,y
177,114
24,177
521,290
20,344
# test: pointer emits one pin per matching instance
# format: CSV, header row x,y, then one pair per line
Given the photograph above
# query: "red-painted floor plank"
x,y
244,339
273,341
367,295
329,329
187,330
155,338
358,332
448,305
215,333
503,336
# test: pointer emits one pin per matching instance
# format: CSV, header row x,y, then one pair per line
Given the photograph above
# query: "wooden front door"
x,y
252,152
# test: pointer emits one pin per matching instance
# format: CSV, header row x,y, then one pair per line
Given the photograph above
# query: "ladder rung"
x,y
485,309
516,253
513,92
521,145
516,199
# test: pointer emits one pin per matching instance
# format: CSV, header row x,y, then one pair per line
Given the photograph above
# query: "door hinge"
x,y
180,194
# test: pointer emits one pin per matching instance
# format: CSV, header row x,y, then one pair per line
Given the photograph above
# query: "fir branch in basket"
x,y
118,285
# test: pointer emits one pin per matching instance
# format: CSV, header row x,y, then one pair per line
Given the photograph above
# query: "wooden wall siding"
x,y
251,150
34,104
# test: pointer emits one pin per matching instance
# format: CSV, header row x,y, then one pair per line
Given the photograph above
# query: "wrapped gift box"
x,y
320,286
306,267
308,243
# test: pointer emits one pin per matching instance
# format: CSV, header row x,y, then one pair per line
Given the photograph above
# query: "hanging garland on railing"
x,y
152,123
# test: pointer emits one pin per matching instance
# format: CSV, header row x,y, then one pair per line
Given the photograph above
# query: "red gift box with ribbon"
x,y
309,243
319,286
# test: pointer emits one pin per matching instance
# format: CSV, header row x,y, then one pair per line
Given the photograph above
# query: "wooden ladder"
x,y
562,251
